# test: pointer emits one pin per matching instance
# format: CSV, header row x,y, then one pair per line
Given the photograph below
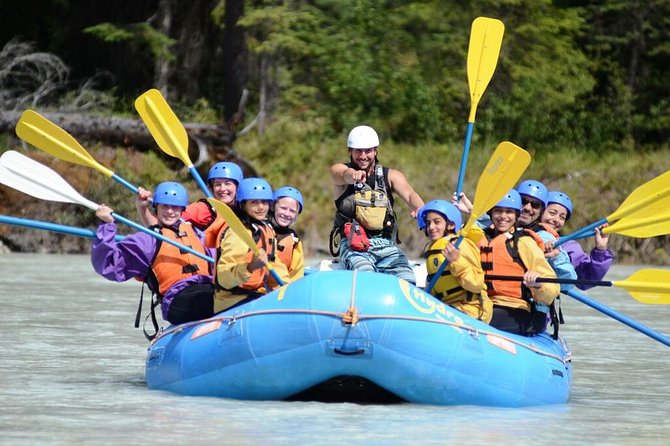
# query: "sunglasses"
x,y
533,203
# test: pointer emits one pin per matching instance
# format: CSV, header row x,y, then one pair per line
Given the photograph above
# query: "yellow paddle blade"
x,y
644,201
649,286
234,223
163,124
485,41
501,173
37,130
641,227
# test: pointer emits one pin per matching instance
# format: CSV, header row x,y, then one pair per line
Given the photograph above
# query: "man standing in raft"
x,y
365,220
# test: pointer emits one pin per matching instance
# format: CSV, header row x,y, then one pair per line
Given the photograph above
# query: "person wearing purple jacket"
x,y
182,281
590,267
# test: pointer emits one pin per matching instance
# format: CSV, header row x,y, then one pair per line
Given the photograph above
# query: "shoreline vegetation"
x,y
288,155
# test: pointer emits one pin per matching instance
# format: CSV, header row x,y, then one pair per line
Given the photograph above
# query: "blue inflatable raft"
x,y
347,336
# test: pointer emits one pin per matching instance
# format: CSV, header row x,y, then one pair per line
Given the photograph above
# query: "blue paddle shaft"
x,y
582,232
53,227
125,184
618,316
201,184
276,277
161,237
464,158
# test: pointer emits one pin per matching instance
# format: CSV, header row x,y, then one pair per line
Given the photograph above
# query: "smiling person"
x,y
461,285
288,204
242,276
533,200
593,266
365,233
223,179
182,281
507,251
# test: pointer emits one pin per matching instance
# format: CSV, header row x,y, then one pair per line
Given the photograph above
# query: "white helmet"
x,y
362,137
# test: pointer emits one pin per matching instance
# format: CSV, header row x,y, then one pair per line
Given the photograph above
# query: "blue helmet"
x,y
170,193
511,200
226,171
254,189
291,192
562,199
534,189
442,207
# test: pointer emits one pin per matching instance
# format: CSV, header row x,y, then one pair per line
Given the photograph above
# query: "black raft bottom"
x,y
347,389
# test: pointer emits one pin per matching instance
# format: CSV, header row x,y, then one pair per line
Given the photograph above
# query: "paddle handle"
x,y
464,157
584,282
581,232
155,234
53,227
441,268
618,316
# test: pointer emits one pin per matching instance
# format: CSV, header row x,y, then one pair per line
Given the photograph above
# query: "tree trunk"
x,y
207,142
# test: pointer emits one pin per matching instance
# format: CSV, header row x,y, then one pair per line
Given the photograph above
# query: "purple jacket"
x,y
593,267
132,257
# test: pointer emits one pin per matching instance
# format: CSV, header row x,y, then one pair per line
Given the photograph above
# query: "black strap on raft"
x,y
152,313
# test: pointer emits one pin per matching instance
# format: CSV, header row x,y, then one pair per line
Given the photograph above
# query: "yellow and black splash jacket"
x,y
170,264
461,284
233,282
371,205
512,254
290,252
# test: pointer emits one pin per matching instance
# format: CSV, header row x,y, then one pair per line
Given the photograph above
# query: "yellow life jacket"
x,y
447,287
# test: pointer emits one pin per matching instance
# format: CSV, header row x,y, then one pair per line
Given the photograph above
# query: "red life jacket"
x,y
170,264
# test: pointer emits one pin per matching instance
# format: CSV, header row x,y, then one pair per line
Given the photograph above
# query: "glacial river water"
x,y
72,372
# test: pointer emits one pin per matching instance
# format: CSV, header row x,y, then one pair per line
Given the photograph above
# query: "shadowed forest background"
x,y
276,86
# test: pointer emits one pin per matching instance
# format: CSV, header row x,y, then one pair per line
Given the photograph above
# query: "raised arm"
x,y
401,187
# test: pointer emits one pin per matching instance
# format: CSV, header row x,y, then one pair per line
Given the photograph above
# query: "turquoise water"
x,y
72,371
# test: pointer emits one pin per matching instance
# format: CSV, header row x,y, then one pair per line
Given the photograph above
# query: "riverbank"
x,y
287,155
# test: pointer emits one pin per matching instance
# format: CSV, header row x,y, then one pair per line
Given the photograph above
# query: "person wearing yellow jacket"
x,y
461,284
242,276
288,204
508,251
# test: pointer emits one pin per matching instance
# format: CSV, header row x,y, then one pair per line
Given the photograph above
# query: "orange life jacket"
x,y
170,265
500,256
200,214
214,232
286,243
264,236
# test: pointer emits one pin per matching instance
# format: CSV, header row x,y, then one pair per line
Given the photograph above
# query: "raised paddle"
x,y
37,130
649,286
583,298
30,177
502,172
646,201
53,227
636,227
167,130
485,41
240,230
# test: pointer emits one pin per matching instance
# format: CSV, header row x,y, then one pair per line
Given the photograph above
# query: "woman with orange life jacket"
x,y
240,275
593,266
462,282
182,281
223,179
288,204
508,251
